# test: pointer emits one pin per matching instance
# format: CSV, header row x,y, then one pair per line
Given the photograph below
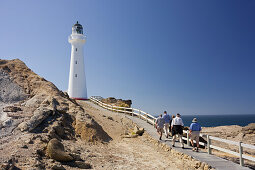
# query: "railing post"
x,y
112,108
209,150
132,112
188,143
147,117
241,154
140,114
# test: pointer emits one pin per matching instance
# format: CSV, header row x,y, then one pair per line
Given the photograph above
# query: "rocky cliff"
x,y
33,111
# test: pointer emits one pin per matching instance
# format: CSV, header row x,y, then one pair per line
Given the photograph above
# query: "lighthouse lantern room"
x,y
77,81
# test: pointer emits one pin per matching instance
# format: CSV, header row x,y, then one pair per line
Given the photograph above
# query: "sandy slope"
x,y
125,153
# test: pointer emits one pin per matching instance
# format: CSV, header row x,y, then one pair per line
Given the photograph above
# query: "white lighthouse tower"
x,y
77,81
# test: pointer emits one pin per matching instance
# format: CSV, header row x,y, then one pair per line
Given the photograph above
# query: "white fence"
x,y
151,120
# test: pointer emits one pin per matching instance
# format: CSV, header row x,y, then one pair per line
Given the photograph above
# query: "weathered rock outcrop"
x,y
45,99
39,115
117,102
37,106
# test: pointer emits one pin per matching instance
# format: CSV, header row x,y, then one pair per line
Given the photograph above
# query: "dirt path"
x,y
125,153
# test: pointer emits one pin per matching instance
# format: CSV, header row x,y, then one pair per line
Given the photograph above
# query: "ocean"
x,y
219,120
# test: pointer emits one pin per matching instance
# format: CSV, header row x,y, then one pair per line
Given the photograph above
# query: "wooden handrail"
x,y
150,119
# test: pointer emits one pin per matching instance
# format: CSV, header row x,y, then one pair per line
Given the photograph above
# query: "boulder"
x,y
138,131
55,150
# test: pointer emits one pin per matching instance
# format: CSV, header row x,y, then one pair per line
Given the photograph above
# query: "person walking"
x,y
194,130
170,126
167,119
160,125
177,129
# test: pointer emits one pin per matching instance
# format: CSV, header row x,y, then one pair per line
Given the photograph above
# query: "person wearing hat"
x,y
194,130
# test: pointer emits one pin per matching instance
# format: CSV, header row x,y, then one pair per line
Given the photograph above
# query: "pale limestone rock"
x,y
39,115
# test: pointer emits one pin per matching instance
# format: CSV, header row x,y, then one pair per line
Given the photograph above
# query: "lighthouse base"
x,y
75,98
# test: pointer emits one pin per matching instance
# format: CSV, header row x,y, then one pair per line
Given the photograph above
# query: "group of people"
x,y
174,126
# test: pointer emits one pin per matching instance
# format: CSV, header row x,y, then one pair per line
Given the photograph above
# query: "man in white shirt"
x,y
177,129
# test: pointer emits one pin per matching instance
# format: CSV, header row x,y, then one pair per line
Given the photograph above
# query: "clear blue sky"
x,y
192,57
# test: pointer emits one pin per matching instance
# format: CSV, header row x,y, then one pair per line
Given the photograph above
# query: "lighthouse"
x,y
77,81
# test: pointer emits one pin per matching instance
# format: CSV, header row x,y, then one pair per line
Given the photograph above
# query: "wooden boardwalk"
x,y
212,160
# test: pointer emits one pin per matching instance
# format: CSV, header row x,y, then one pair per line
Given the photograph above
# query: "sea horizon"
x,y
219,119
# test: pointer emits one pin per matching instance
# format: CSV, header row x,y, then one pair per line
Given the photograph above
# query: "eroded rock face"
x,y
117,102
55,150
10,92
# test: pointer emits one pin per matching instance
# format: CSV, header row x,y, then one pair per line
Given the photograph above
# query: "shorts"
x,y
160,129
194,135
177,129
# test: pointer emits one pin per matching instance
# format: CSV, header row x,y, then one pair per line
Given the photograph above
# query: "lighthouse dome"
x,y
77,28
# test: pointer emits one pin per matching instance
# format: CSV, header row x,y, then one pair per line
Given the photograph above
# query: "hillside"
x,y
42,128
34,111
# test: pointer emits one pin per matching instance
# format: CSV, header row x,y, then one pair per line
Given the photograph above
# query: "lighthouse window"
x,y
75,62
75,49
75,75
